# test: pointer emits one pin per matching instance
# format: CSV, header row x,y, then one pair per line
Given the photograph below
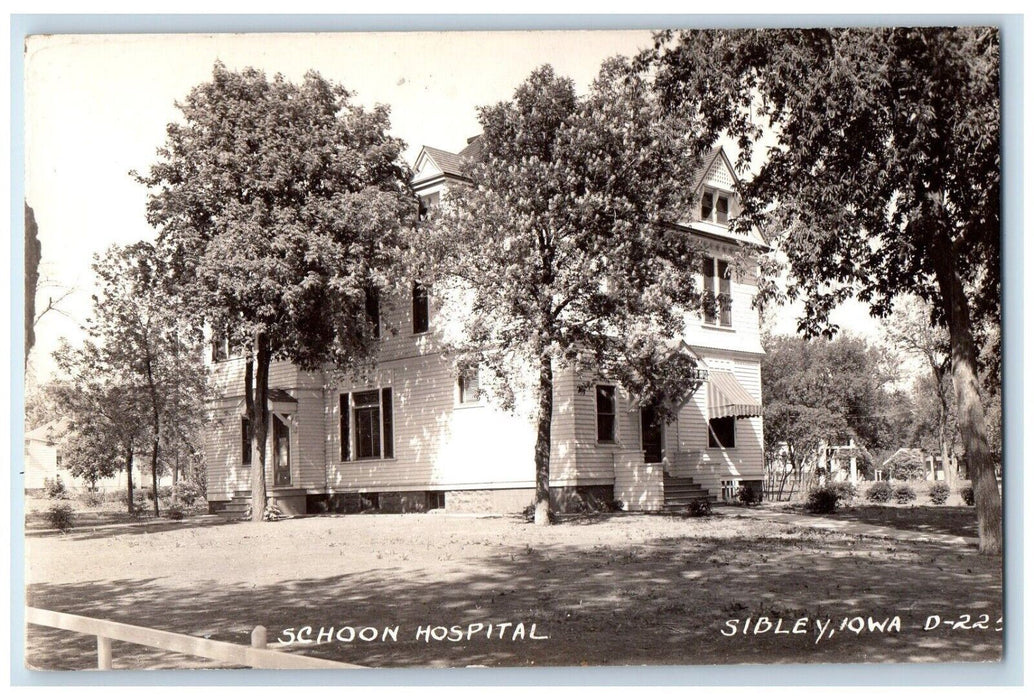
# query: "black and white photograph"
x,y
513,349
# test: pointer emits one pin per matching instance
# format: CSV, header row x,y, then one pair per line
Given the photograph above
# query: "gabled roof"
x,y
705,166
50,432
448,163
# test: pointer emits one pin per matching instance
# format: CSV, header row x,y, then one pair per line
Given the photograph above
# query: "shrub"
x,y
939,494
906,464
822,500
174,513
748,495
188,492
880,492
904,494
55,488
61,517
699,508
92,499
272,513
845,490
165,492
967,495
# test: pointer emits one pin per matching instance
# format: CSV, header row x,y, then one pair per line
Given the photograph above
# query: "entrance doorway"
x,y
653,435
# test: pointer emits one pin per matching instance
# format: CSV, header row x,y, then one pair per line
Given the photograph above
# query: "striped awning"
x,y
726,397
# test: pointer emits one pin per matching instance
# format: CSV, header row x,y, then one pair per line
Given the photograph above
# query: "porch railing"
x,y
254,656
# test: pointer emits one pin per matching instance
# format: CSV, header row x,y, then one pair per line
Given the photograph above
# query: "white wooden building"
x,y
413,435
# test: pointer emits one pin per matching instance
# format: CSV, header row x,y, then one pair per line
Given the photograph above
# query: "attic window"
x,y
714,207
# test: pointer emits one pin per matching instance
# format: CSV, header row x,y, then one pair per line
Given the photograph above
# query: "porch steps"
x,y
679,493
238,507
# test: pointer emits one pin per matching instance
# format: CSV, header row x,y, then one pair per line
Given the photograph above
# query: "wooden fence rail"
x,y
255,656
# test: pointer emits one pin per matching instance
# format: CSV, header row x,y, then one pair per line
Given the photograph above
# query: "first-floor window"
x,y
373,421
721,432
606,413
421,310
245,441
281,452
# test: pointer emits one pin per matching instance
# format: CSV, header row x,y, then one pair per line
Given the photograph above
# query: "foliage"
x,y
55,488
188,492
699,508
61,516
749,495
883,178
904,494
939,493
823,500
967,495
561,253
880,492
174,513
906,465
845,490
282,204
273,513
92,499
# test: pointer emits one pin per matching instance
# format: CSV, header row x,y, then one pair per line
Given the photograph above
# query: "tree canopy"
x,y
560,251
280,204
881,176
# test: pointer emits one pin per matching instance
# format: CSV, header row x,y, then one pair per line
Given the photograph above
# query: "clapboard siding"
x,y
710,466
595,460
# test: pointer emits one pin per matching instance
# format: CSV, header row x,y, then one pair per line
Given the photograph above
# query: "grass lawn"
x,y
617,589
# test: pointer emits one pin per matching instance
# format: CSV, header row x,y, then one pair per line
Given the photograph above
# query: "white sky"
x,y
97,107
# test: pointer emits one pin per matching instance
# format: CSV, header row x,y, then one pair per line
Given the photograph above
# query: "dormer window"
x,y
714,207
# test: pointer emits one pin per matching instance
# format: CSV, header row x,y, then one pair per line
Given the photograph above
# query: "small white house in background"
x,y
415,434
44,462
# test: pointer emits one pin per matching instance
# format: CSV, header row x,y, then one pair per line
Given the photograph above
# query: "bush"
x,y
823,500
174,513
92,499
904,494
165,492
272,513
748,495
967,495
188,493
845,490
939,494
55,488
880,492
699,508
61,517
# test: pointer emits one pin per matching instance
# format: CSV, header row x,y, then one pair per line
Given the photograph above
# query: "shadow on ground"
x,y
944,520
666,602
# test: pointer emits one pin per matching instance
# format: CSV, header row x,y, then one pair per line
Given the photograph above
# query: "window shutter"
x,y
245,441
386,419
343,420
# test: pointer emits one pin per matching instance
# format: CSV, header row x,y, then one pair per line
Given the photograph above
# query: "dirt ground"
x,y
610,589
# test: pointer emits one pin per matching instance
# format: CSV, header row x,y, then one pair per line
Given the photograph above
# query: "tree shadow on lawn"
x,y
135,527
666,602
960,521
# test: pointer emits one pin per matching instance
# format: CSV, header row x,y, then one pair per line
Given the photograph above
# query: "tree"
x,y
560,253
33,252
883,178
821,392
279,205
911,330
138,382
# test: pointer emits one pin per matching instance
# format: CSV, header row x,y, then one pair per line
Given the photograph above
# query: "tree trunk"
x,y
154,475
970,410
543,439
260,426
129,478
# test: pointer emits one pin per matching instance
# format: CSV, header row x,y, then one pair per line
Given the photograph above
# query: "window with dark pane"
x,y
281,453
606,413
387,421
421,313
344,419
721,432
367,416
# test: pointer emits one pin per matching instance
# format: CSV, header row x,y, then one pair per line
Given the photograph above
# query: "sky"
x,y
97,108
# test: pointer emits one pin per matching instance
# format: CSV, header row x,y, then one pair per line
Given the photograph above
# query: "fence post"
x,y
103,653
258,637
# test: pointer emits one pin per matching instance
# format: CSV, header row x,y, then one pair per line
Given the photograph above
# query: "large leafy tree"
x,y
138,382
883,178
822,392
560,249
280,205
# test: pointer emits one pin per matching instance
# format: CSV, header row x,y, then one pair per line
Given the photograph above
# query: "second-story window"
x,y
468,387
373,310
717,277
220,346
421,312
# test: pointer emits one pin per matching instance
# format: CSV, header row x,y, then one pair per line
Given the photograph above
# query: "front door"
x,y
281,453
653,435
